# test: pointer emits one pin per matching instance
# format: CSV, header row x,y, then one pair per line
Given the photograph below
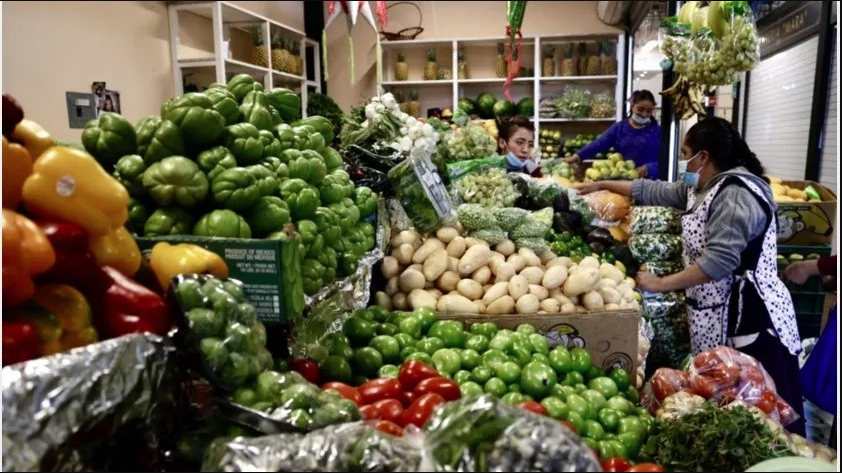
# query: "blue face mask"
x,y
640,120
689,178
514,161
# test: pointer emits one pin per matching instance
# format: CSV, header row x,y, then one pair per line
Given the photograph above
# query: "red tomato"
x,y
533,406
703,386
667,382
727,396
348,392
647,467
573,429
615,465
752,377
408,398
421,409
706,361
379,389
307,369
444,387
369,412
724,376
413,372
389,409
389,427
767,402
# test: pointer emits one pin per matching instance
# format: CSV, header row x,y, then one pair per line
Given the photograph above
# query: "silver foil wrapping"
x,y
49,400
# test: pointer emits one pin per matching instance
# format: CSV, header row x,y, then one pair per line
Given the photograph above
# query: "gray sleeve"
x,y
660,193
736,217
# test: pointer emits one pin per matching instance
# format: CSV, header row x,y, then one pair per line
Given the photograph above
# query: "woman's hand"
x,y
588,188
649,282
801,271
573,159
642,172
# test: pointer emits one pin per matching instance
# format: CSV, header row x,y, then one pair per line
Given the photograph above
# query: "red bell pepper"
x,y
20,342
306,368
123,306
413,372
75,264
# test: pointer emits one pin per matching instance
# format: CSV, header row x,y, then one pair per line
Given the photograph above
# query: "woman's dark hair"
x,y
640,96
723,142
507,126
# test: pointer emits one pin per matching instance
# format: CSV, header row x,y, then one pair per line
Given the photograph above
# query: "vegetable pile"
x,y
470,142
573,145
612,168
549,143
489,188
573,104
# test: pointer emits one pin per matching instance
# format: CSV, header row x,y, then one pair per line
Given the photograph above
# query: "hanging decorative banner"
x,y
514,14
351,10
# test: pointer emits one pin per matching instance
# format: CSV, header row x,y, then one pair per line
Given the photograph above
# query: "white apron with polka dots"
x,y
708,303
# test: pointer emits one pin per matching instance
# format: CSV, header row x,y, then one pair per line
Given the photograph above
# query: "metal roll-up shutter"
x,y
780,101
827,176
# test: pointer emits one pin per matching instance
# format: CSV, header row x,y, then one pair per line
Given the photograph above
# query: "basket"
x,y
406,34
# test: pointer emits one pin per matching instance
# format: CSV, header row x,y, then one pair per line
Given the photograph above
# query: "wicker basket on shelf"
x,y
405,34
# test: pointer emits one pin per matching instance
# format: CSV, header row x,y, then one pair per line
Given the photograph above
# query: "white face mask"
x,y
640,120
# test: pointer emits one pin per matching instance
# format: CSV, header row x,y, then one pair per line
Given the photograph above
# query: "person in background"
x,y
637,138
729,235
516,142
108,105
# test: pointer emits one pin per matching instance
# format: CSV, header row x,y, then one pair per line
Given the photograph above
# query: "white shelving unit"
x,y
534,87
226,17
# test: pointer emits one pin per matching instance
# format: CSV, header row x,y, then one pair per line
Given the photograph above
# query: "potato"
x,y
382,299
580,280
459,228
399,301
446,234
457,247
404,253
539,291
529,257
497,291
495,261
409,237
605,283
527,304
501,306
581,309
456,304
435,293
609,271
429,285
533,274
610,295
417,267
554,277
612,307
561,261
593,301
470,241
551,306
392,286
420,298
482,275
568,308
480,306
546,256
517,262
411,279
448,280
505,272
476,257
435,264
429,246
574,300
470,289
590,261
486,288
390,267
453,264
518,286
505,248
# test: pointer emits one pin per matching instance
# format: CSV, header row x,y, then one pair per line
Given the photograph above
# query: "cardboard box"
x,y
610,337
807,223
256,263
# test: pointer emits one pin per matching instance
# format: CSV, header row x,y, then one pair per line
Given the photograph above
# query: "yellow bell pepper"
x,y
62,318
117,249
17,166
171,260
69,184
35,139
67,303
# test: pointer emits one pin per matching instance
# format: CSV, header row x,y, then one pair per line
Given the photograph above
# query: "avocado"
x,y
575,219
523,202
520,184
601,235
561,203
597,247
587,229
560,222
541,203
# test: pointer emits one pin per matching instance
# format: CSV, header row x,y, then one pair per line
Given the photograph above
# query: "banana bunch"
x,y
687,98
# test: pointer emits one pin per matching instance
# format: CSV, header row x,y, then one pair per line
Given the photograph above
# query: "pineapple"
x,y
259,52
548,66
609,60
431,69
594,62
297,61
277,57
443,73
462,67
500,62
287,60
568,65
413,108
401,67
582,61
400,97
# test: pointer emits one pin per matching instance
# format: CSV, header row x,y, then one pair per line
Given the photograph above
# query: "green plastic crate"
x,y
807,298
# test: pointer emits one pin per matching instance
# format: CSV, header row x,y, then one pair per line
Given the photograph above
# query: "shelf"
x,y
232,15
579,79
392,83
287,77
521,80
577,120
231,65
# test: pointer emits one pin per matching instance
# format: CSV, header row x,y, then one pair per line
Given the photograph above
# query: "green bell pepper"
x,y
322,125
241,84
286,102
129,172
266,181
215,160
312,275
347,212
138,215
353,213
286,136
329,260
225,103
347,264
158,139
366,201
271,145
354,242
193,113
367,231
176,181
268,215
235,189
306,165
168,221
275,165
255,110
328,225
223,224
301,198
109,138
333,160
243,139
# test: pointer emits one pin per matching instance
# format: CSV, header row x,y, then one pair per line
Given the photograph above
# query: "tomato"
x,y
379,389
307,369
729,395
413,372
724,375
616,465
706,361
646,467
389,409
408,398
533,406
345,391
753,377
444,387
767,402
571,427
703,386
420,410
369,412
389,427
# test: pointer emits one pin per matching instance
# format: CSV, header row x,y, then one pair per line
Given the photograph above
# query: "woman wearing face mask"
x,y
637,138
516,142
730,276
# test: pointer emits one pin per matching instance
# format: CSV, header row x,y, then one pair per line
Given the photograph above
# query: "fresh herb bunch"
x,y
713,439
324,106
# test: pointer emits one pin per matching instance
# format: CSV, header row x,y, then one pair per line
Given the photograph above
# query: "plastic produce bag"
x,y
662,269
608,206
509,218
492,236
532,226
602,106
674,38
476,217
575,103
536,244
663,384
667,312
483,434
655,247
664,304
489,187
655,220
419,188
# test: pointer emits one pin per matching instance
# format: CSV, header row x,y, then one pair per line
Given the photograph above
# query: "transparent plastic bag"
x,y
476,217
655,247
419,188
509,218
487,187
729,45
608,206
673,37
538,245
662,269
654,220
575,103
603,106
678,405
663,384
222,329
667,312
531,227
492,236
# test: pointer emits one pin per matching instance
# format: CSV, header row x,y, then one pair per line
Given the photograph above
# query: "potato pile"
x,y
784,193
455,274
